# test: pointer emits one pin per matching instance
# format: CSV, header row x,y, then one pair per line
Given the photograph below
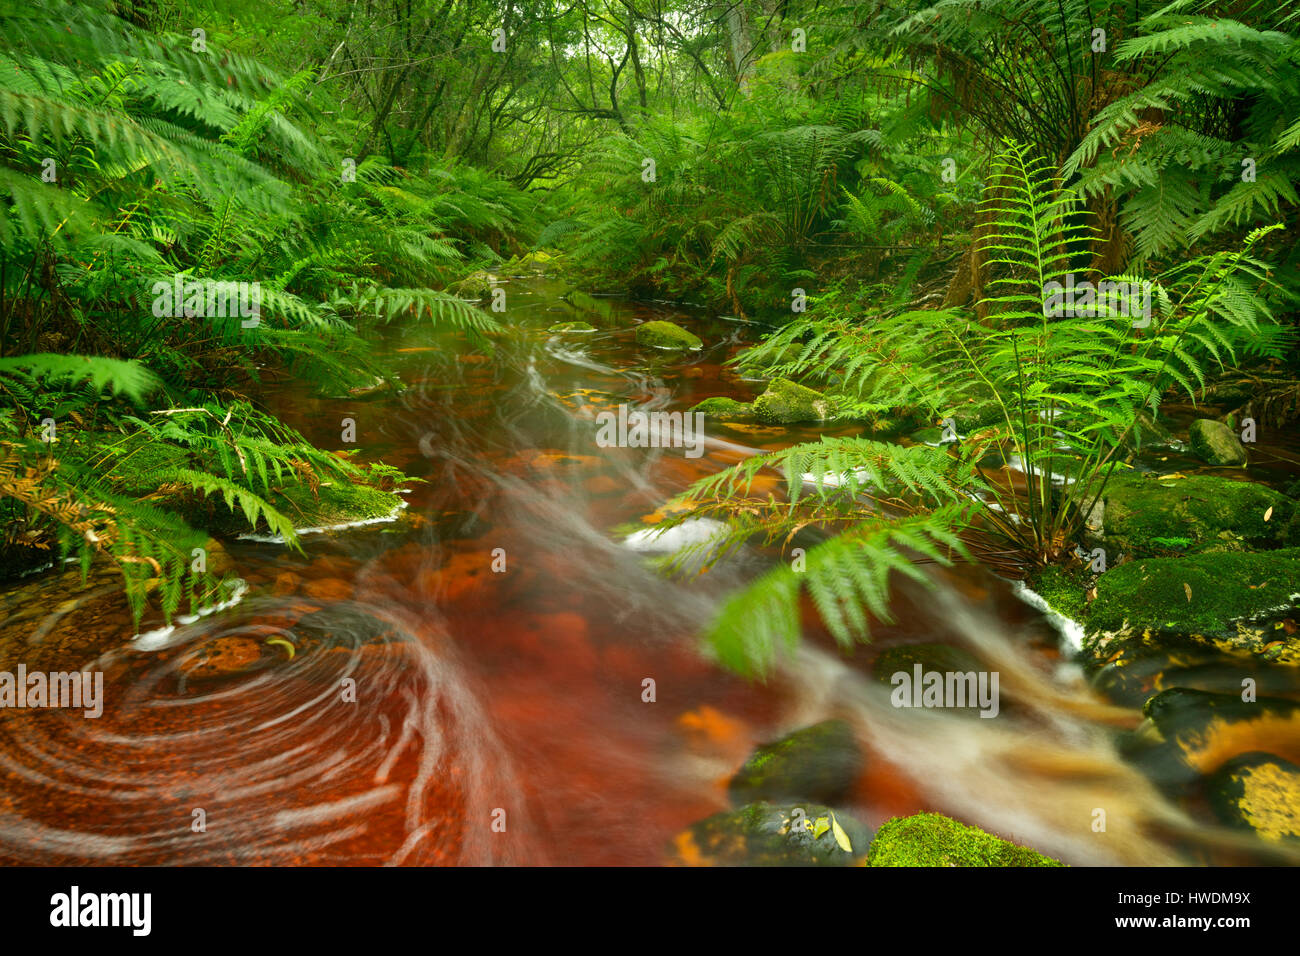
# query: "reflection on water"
x,y
467,687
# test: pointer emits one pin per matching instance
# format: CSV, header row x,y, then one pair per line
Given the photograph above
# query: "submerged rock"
x,y
725,409
1259,792
820,762
1216,443
786,402
1150,517
1238,603
666,335
768,834
572,327
931,657
931,839
476,285
1189,734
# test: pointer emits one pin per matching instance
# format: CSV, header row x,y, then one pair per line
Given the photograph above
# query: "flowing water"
x,y
440,707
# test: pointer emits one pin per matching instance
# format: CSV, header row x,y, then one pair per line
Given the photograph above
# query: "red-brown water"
x,y
496,714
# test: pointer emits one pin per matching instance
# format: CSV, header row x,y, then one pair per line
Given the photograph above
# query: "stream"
x,y
466,684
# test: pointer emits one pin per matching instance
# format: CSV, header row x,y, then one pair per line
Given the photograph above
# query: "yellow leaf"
x,y
841,837
282,643
1269,513
820,826
1187,588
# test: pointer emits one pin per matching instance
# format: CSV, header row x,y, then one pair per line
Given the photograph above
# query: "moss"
x,y
786,402
1216,443
1203,594
334,503
820,762
1258,792
1211,513
136,460
931,656
770,834
476,285
572,327
1064,589
972,415
665,335
725,409
931,839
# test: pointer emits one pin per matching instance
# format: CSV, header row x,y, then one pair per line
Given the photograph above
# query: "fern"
x,y
1069,392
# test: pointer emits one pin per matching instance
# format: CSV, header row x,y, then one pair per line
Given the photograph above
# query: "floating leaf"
x,y
841,837
282,642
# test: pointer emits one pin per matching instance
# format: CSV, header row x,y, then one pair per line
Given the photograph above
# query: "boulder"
x,y
666,335
786,402
1150,516
1216,443
931,839
931,657
1189,734
1258,792
768,834
820,763
725,409
1239,603
476,285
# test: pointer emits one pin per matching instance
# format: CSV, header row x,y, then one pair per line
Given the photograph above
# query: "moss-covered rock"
x,y
1188,734
666,335
1064,589
931,839
1216,443
768,834
931,656
1258,792
972,415
1238,603
476,285
334,503
820,762
537,262
572,327
786,402
1147,516
725,409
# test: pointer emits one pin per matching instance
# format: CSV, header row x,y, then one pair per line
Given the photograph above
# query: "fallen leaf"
x,y
1269,513
820,826
282,643
1188,589
841,837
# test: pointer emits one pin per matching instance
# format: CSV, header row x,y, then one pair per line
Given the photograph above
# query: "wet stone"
x,y
768,834
820,762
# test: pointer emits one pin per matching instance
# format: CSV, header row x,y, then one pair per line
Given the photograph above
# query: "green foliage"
x,y
134,163
1209,143
1069,391
931,839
